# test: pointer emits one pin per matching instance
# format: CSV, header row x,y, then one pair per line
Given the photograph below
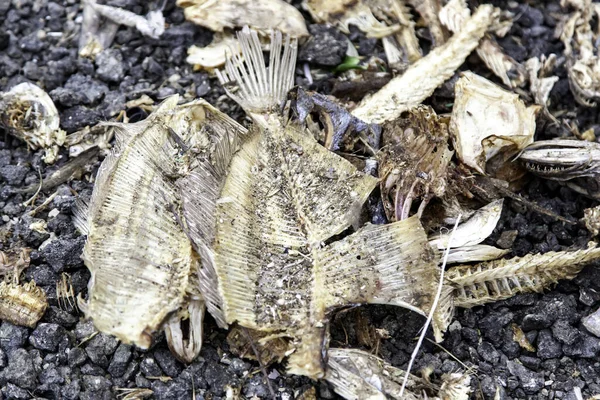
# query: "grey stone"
x,y
492,389
487,352
3,360
167,362
20,370
592,323
14,392
172,390
13,174
12,336
92,369
119,362
55,10
92,90
149,367
51,376
547,346
31,43
76,357
74,118
8,66
100,347
530,381
492,325
65,253
95,383
42,274
530,362
32,71
327,46
565,333
30,236
110,66
589,347
47,336
61,317
5,157
217,377
238,366
153,69
536,321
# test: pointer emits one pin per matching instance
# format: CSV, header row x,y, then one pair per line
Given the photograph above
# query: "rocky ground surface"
x,y
62,358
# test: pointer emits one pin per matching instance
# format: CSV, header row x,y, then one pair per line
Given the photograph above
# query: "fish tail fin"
x,y
248,80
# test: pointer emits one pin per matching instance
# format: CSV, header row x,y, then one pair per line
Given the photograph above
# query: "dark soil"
x,y
53,361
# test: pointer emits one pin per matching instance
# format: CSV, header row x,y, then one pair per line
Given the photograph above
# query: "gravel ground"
x,y
62,358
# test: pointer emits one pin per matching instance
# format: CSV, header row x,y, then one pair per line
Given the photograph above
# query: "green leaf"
x,y
349,63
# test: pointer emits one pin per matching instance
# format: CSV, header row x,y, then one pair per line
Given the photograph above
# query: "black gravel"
x,y
65,358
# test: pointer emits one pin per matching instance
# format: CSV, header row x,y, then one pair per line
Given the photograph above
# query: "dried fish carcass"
x,y
29,114
574,162
414,161
22,304
488,121
261,217
143,268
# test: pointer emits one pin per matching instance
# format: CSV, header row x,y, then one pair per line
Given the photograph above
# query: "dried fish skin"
x,y
501,279
420,80
488,120
591,218
30,115
22,305
139,258
274,200
571,161
413,161
215,54
265,16
356,374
